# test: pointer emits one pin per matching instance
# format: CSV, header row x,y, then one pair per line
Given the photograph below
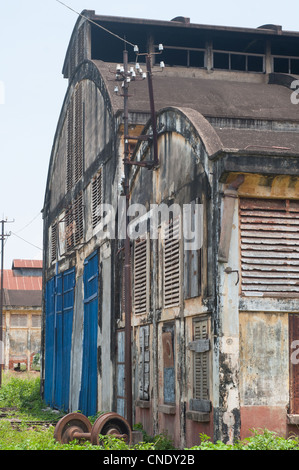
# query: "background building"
x,y
22,313
213,329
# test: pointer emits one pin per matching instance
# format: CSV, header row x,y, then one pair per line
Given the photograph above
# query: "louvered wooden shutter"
x,y
201,364
294,365
69,229
54,229
141,277
269,247
172,264
75,139
74,221
78,135
144,363
78,219
96,198
69,155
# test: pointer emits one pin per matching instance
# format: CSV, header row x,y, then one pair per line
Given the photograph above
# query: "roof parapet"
x,y
181,19
272,27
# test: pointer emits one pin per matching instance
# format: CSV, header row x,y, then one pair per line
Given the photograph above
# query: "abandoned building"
x,y
22,312
214,330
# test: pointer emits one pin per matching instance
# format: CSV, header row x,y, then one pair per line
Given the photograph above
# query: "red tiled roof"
x,y
12,282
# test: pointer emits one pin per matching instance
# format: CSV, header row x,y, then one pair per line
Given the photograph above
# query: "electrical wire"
x,y
29,243
96,24
29,223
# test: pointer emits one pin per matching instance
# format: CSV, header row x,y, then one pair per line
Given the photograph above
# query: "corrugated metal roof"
x,y
12,282
27,263
15,280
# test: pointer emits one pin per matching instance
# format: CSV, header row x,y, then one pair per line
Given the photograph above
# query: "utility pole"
x,y
127,75
3,237
128,299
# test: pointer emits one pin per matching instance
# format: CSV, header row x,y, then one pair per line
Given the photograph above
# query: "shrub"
x,y
262,439
161,441
24,394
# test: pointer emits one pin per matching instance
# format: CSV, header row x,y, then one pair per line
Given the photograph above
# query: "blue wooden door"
x,y
67,330
57,390
58,344
49,340
89,385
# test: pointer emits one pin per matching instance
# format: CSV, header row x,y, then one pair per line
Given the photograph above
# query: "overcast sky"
x,y
34,35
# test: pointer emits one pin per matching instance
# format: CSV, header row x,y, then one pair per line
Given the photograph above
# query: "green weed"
x,y
23,395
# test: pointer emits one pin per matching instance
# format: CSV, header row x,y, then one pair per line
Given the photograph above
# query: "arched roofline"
x,y
87,70
203,128
83,17
205,135
205,131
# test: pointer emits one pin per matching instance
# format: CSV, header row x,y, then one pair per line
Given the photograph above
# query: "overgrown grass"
x,y
261,439
22,393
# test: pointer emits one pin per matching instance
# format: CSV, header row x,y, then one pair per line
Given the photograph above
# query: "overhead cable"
x,y
29,243
96,24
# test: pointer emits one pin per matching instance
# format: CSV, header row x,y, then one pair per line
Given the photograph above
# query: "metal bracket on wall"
x,y
229,270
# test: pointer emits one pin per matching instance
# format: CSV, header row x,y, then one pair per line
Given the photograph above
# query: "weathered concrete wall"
x,y
228,339
264,361
180,178
186,141
22,336
264,370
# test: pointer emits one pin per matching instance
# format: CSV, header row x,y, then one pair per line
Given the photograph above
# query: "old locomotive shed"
x,y
213,329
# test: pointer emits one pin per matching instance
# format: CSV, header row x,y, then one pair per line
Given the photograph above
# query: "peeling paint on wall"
x,y
264,361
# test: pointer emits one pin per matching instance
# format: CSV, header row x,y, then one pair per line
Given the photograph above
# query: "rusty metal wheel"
x,y
111,424
68,428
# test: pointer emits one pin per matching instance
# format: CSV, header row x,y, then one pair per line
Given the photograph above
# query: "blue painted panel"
x,y
169,385
57,400
58,345
89,381
67,329
49,341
